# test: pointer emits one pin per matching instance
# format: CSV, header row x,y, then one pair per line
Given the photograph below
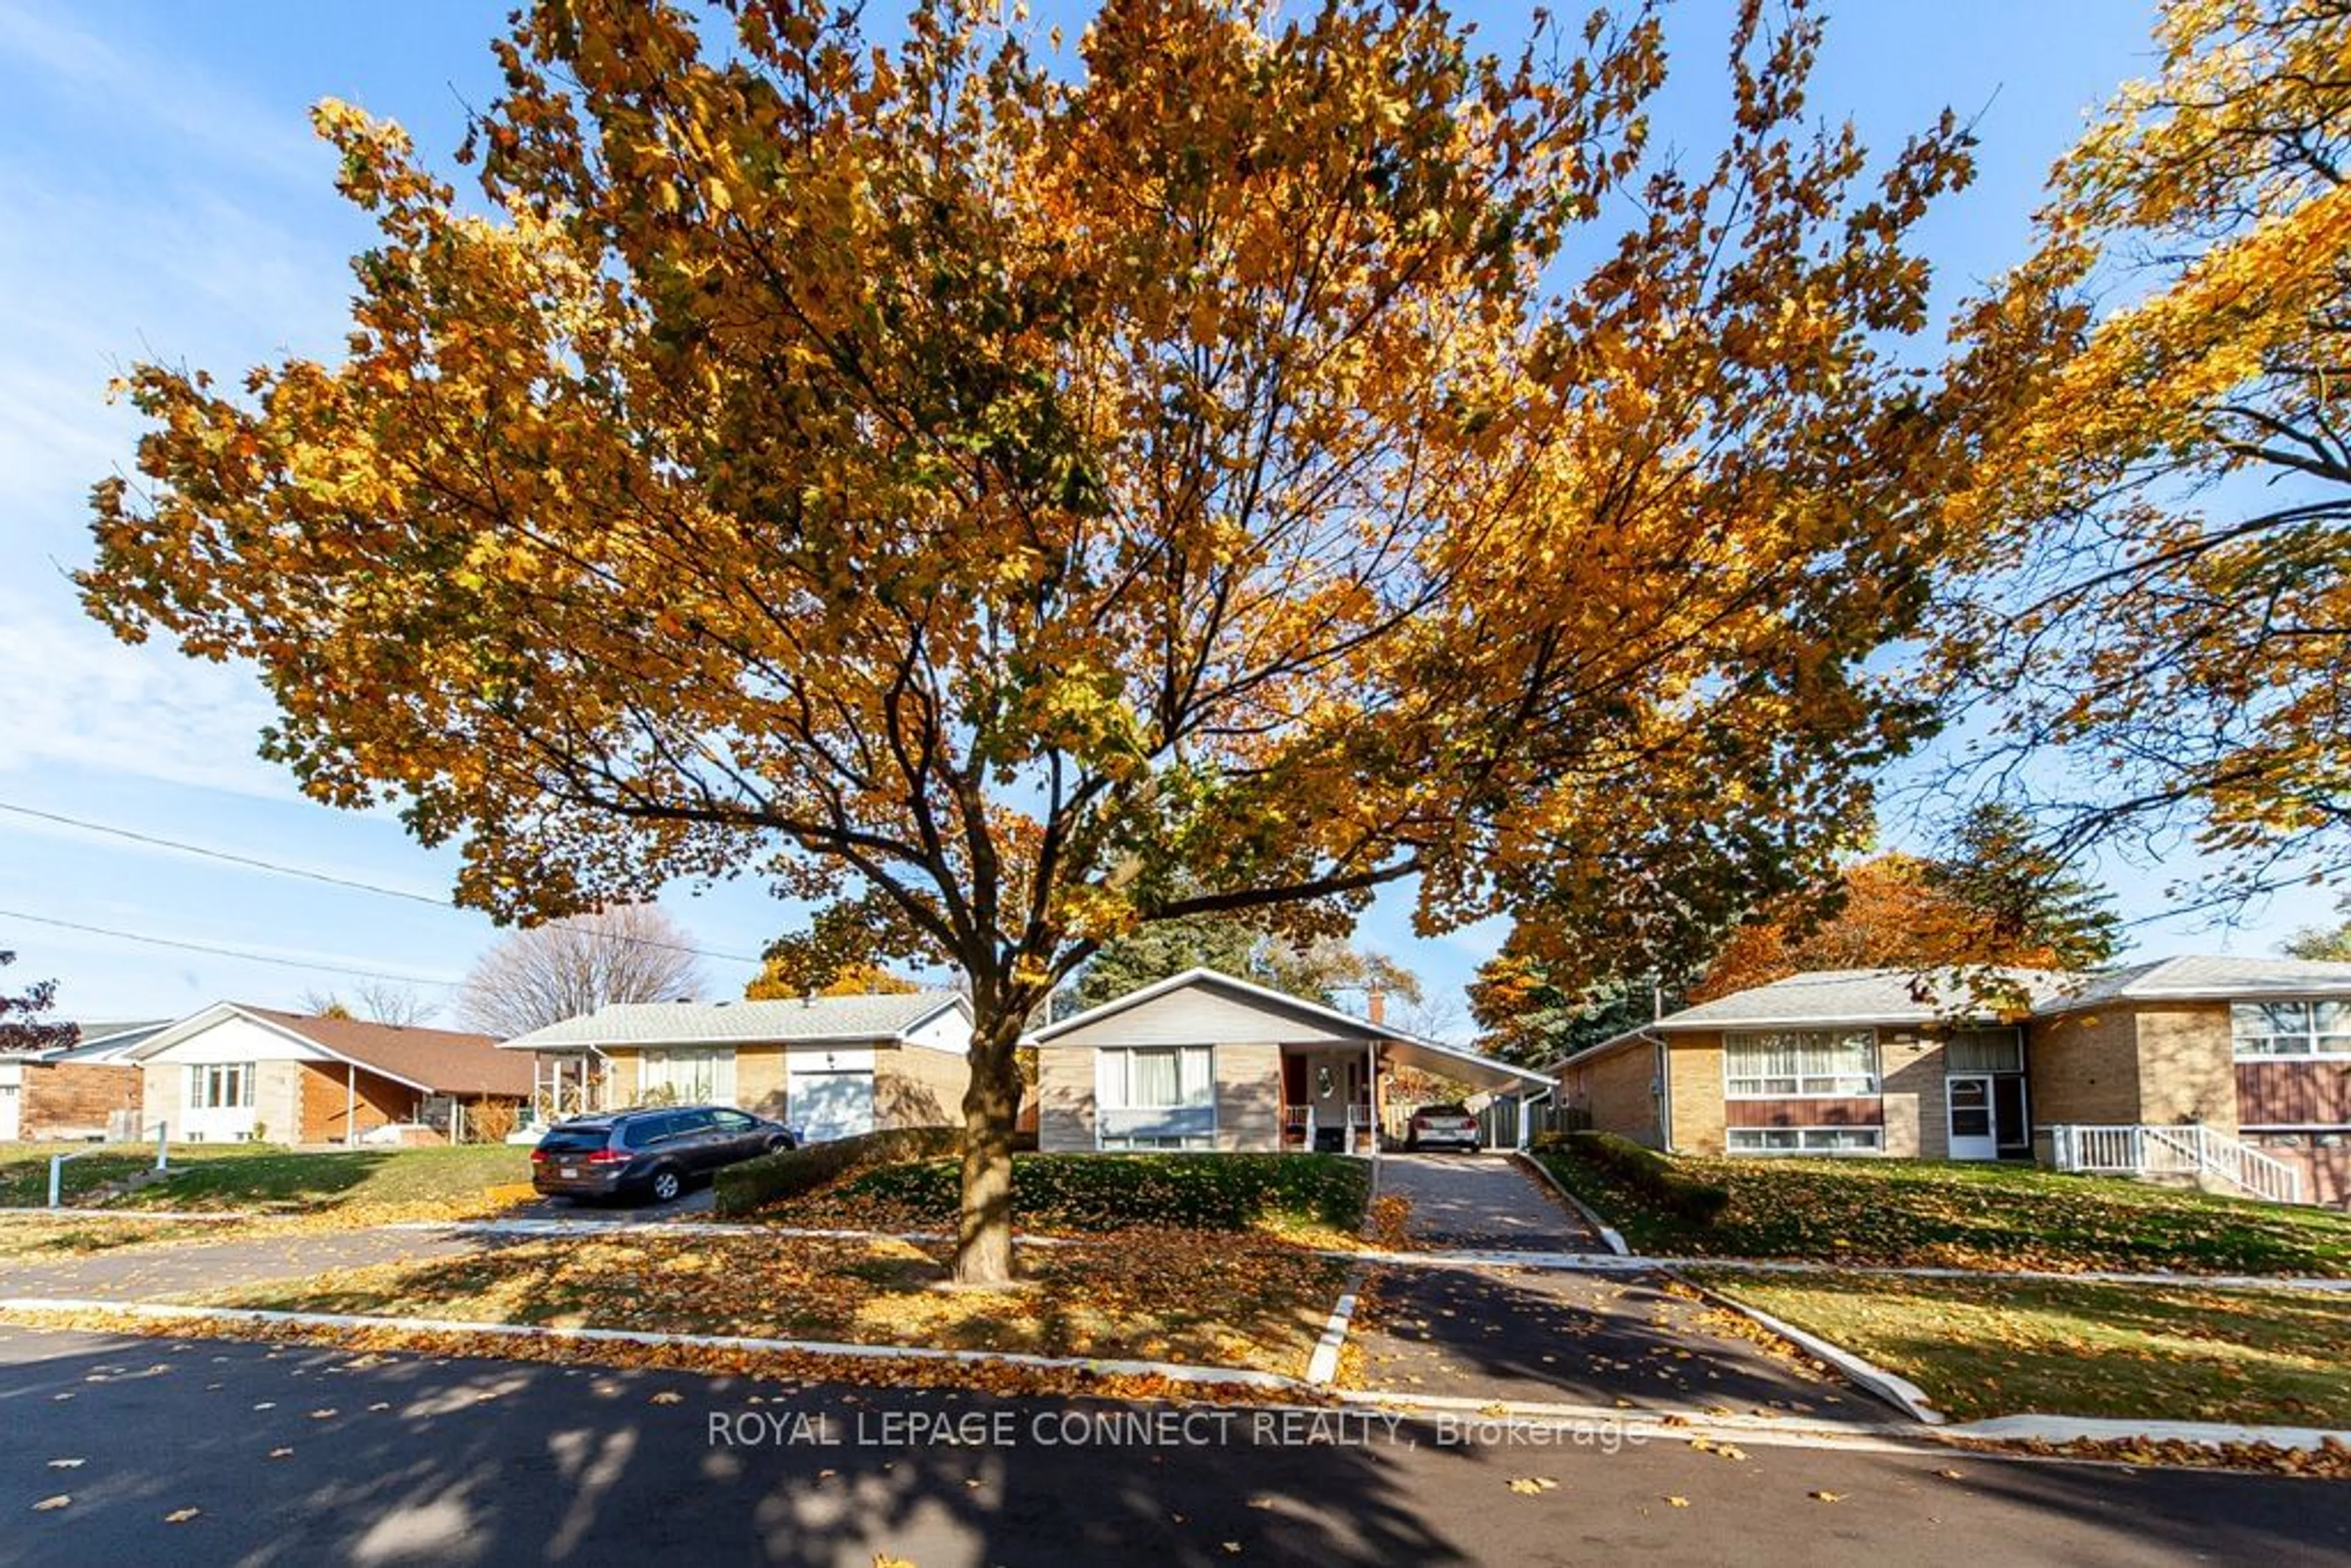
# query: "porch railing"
x,y
2188,1150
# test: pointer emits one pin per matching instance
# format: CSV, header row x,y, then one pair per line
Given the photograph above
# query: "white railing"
x,y
2188,1150
1298,1126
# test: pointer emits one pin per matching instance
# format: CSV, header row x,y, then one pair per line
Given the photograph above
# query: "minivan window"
x,y
731,1121
647,1133
574,1140
687,1122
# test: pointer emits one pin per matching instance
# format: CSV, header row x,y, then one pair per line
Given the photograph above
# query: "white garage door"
x,y
827,1104
11,1113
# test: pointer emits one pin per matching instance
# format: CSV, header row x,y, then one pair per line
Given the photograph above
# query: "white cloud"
x,y
79,698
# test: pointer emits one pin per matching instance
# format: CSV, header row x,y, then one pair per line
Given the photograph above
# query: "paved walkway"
x,y
1536,1333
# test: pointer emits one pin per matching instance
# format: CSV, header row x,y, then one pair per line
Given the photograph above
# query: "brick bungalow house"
x,y
831,1066
2234,1073
1206,1060
88,1090
234,1072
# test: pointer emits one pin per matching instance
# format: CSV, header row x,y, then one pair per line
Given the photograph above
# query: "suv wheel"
x,y
665,1185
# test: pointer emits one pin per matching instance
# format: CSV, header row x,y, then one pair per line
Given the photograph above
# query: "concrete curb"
x,y
1894,1389
1608,1233
2100,1429
1173,1372
1323,1366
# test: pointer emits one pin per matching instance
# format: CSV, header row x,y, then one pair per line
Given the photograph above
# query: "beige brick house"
x,y
2226,1071
1206,1060
829,1066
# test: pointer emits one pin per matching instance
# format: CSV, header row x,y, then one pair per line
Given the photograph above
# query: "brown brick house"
x,y
2215,1068
88,1090
234,1072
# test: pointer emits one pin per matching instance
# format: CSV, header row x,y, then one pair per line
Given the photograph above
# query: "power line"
x,y
278,868
221,951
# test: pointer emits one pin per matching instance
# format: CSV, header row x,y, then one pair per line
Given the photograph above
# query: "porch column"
x,y
1371,1098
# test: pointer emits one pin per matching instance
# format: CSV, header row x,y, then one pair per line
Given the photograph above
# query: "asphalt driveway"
x,y
1499,1332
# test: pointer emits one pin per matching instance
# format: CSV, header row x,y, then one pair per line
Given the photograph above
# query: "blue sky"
x,y
164,198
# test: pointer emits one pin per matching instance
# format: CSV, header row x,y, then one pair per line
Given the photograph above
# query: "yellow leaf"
x,y
181,1515
46,1503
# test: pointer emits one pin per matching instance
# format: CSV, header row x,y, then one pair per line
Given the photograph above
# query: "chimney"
x,y
1375,1005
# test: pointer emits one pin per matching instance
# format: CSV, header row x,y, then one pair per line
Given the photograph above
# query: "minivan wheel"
x,y
666,1185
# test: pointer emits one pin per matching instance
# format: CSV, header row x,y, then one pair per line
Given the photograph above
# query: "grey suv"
x,y
654,1153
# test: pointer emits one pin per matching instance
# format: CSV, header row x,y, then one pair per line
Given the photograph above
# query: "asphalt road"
x,y
399,1459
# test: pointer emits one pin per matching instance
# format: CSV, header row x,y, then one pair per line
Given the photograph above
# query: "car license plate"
x,y
571,1173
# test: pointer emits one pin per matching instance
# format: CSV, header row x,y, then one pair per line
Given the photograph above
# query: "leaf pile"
x,y
1203,1298
1084,1194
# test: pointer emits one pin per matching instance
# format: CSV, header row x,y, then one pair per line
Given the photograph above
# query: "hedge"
x,y
1648,1173
1109,1192
754,1183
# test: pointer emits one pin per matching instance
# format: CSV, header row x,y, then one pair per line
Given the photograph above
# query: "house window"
x,y
1804,1140
2291,1029
220,1085
1155,1097
1975,1050
1799,1062
686,1077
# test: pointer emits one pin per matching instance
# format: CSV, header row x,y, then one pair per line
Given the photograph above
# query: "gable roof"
x,y
106,1042
2192,976
1859,997
1430,1055
430,1060
813,1018
1856,996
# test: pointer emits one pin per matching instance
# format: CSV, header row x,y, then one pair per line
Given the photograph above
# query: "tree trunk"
x,y
990,1106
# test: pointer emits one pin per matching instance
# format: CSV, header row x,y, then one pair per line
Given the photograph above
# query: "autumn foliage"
x,y
1236,464
2160,530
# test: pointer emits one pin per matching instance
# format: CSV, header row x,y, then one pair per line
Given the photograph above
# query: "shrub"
x,y
740,1188
1109,1192
1648,1173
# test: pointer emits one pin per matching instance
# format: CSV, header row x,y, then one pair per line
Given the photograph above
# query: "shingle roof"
x,y
719,1023
1856,996
2208,977
444,1060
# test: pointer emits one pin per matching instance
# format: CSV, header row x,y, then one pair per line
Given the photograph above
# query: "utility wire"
x,y
278,868
221,951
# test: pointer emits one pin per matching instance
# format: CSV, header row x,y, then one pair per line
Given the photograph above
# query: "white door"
x,y
1973,1136
825,1105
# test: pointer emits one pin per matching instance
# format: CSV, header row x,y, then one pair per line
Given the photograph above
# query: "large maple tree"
x,y
1234,465
2163,509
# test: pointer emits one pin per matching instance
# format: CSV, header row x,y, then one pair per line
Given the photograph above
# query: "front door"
x,y
1972,1134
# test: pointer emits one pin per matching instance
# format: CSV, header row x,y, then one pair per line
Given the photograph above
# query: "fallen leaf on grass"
x,y
181,1515
48,1504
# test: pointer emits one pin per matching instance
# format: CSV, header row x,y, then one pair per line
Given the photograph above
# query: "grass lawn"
x,y
280,1181
25,1168
1212,1299
1966,1215
1995,1347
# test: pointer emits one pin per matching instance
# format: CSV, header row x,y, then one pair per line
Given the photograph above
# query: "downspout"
x,y
351,1104
1526,1103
